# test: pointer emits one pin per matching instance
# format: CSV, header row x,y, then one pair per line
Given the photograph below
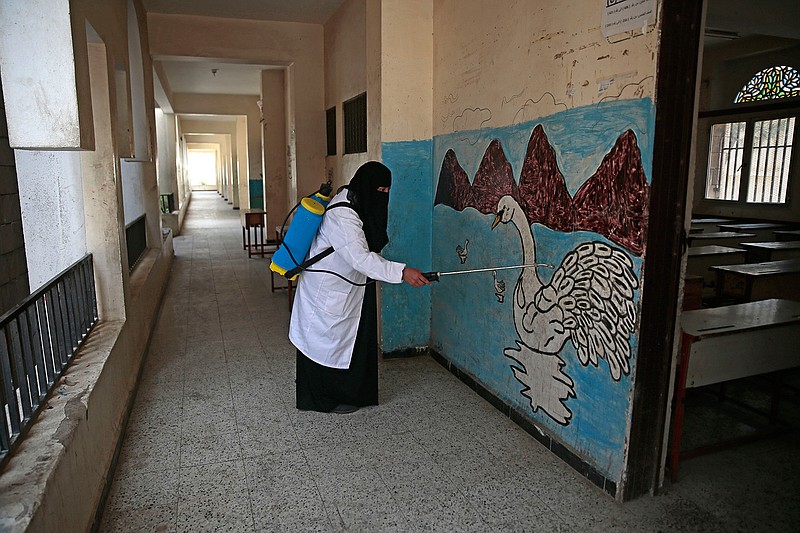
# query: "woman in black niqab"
x,y
320,388
371,204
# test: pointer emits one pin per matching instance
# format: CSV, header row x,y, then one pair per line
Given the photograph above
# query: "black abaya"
x,y
320,388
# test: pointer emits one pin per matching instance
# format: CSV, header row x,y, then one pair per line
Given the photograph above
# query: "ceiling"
x,y
726,20
213,77
308,11
194,75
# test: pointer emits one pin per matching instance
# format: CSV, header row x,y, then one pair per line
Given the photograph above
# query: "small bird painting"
x,y
462,252
499,287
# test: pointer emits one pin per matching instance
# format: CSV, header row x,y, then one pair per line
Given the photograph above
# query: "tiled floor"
x,y
215,443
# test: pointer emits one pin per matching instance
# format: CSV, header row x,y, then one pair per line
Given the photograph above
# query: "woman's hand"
x,y
414,277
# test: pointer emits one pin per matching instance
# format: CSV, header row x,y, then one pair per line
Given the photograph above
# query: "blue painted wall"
x,y
256,194
462,317
406,312
472,328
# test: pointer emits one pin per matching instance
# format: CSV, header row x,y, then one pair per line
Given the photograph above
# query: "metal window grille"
x,y
38,339
330,126
770,160
725,155
136,240
355,124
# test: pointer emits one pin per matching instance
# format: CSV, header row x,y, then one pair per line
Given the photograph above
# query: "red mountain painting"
x,y
612,202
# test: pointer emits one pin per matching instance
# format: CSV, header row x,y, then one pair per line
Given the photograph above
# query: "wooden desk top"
x,y
750,227
712,220
731,318
722,235
252,217
787,232
768,268
772,246
713,249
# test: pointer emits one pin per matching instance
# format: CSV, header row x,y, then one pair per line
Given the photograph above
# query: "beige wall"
x,y
407,70
345,77
55,480
398,83
268,43
496,66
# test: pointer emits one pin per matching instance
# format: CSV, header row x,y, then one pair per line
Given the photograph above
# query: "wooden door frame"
x,y
676,88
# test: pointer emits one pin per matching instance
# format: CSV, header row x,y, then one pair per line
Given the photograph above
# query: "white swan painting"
x,y
588,301
591,220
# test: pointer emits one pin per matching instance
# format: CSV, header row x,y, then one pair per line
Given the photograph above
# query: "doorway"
x,y
203,169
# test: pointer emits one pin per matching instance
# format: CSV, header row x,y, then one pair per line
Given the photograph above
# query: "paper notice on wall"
x,y
625,15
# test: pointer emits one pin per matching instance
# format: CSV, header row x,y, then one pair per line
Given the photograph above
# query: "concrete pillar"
x,y
102,196
228,160
276,187
241,163
47,109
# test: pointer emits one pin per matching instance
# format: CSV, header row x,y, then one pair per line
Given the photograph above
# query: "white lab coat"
x,y
327,309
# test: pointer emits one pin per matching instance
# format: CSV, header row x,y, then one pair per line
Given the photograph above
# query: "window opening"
x,y
355,124
330,125
769,167
726,151
202,169
753,156
770,84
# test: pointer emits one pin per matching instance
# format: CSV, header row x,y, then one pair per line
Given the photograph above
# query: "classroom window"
x,y
753,157
769,84
725,161
769,161
355,124
330,127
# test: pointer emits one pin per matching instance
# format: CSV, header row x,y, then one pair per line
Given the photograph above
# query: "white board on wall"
x,y
51,201
620,16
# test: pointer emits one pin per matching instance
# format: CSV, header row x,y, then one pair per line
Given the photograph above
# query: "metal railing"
x,y
38,339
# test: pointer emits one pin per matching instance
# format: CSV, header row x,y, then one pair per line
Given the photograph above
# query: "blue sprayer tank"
x,y
301,232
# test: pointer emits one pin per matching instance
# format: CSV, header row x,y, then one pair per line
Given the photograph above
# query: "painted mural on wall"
x,y
579,313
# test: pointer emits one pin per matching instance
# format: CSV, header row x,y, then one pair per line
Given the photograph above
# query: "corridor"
x,y
214,442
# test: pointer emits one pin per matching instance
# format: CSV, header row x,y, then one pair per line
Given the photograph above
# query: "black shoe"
x,y
344,409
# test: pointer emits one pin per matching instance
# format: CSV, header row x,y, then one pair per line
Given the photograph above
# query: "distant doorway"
x,y
203,167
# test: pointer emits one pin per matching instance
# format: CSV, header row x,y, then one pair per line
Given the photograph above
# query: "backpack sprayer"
x,y
287,260
290,258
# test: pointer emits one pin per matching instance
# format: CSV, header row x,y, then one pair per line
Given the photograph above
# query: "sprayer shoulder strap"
x,y
340,204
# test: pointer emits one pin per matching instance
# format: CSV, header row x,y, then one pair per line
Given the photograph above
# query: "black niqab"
x,y
371,204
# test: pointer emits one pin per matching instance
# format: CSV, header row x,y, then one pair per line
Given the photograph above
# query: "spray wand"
x,y
434,276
